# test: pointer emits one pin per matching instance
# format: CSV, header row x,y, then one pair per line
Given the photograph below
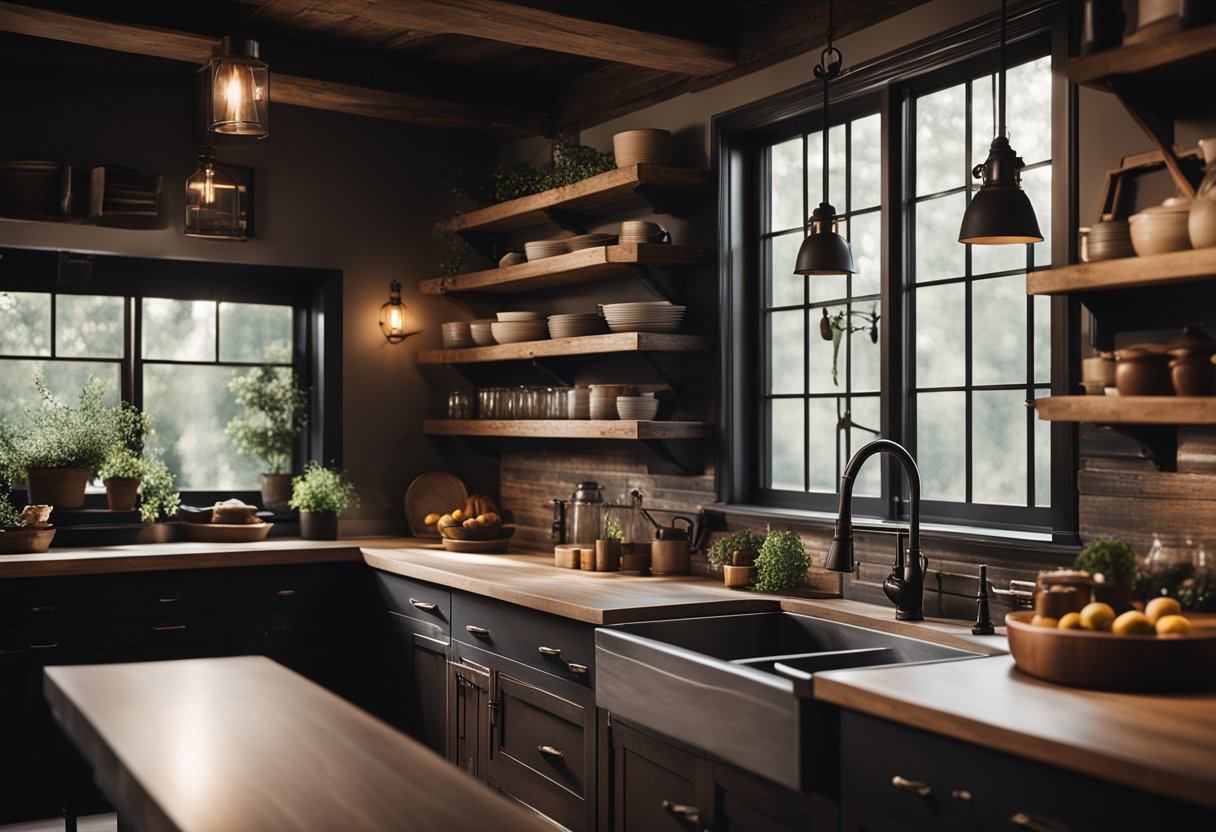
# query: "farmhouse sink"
x,y
740,687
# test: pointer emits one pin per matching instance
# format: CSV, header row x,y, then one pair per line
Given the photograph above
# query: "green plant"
x,y
613,530
833,328
322,489
58,435
122,462
570,163
157,495
276,410
782,562
9,516
743,540
1114,559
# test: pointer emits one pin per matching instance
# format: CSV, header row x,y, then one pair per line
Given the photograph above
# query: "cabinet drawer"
x,y
547,642
38,646
164,634
36,602
266,588
415,599
162,594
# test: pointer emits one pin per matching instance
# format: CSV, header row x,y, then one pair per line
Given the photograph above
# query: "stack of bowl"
x,y
540,249
456,335
643,316
512,258
575,325
483,336
646,147
583,241
1107,240
578,403
602,400
640,408
1162,228
641,231
516,327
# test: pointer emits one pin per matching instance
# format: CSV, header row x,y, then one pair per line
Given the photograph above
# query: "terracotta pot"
x,y
738,575
1143,370
121,493
669,557
607,555
276,490
1191,368
58,487
319,525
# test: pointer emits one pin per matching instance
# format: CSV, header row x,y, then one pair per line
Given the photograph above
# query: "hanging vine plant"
x,y
833,328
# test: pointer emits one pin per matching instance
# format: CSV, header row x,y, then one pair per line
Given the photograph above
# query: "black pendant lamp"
x,y
824,251
1000,213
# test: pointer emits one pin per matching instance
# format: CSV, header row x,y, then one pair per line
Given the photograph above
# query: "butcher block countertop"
x,y
1165,744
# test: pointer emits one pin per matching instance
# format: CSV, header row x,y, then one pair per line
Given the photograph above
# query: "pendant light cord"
x,y
828,69
1001,104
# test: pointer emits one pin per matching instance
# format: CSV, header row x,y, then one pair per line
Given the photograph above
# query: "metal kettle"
x,y
669,550
586,516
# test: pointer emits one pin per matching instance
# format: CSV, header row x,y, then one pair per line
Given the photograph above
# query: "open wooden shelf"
x,y
567,428
1129,410
586,345
1125,273
602,194
584,266
1178,57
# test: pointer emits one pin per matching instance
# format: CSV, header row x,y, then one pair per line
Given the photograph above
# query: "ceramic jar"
x,y
1201,223
1162,228
1191,368
1143,370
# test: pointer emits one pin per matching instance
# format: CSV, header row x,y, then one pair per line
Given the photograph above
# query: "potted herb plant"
x,y
158,496
782,562
319,494
608,548
1112,565
736,554
276,411
123,467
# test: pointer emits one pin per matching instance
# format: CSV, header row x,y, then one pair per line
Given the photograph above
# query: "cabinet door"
x,y
12,744
745,803
303,640
653,785
469,721
415,691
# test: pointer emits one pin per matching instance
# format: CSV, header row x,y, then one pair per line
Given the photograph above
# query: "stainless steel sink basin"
x,y
741,686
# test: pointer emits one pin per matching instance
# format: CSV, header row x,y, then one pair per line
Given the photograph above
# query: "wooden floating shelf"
x,y
1125,273
1129,410
600,194
584,266
586,345
567,428
1176,56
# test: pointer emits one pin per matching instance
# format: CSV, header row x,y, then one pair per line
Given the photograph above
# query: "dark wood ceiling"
x,y
509,67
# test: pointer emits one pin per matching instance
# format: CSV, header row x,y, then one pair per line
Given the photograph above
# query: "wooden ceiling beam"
x,y
284,88
527,26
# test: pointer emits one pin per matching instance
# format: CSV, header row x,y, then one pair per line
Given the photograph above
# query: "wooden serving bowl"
x,y
26,541
482,533
1104,661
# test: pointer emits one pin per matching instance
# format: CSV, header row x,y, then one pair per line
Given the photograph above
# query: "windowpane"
x,y
255,332
940,447
784,288
941,131
1042,463
1037,184
940,330
814,170
865,238
998,330
990,259
865,148
65,380
837,162
787,335
866,412
178,330
938,253
1028,109
820,352
823,287
89,326
1042,339
865,356
786,446
999,437
821,430
983,121
785,189
25,323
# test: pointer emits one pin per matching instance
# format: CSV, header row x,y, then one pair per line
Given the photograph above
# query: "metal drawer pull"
x,y
477,631
422,605
11,651
917,787
577,668
1021,820
38,610
167,599
286,593
549,651
50,645
169,628
961,795
688,816
550,751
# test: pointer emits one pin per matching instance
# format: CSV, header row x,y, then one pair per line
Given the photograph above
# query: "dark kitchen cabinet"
x,y
416,673
469,729
12,742
307,641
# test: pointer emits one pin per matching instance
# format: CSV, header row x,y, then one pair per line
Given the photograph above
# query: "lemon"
x,y
1043,621
1132,623
1097,616
457,515
1070,621
1158,608
431,519
1171,624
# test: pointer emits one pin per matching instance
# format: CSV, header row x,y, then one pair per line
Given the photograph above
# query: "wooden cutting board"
x,y
435,492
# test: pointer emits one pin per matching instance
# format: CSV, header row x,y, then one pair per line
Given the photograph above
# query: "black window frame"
x,y
738,138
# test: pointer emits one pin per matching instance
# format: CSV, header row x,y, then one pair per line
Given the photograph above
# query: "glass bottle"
x,y
1170,562
586,512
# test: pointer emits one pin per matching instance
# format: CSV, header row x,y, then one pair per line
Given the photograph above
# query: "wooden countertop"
x,y
1165,744
244,744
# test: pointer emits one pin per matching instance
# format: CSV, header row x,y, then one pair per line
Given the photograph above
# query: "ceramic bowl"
x,y
1201,222
518,332
648,146
515,317
1162,228
483,336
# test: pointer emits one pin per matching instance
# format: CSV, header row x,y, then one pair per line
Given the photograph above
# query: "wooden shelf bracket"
x,y
1160,443
657,281
664,453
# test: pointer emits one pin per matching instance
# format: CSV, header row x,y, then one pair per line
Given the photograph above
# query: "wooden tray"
x,y
478,534
435,492
225,532
1104,661
26,541
477,547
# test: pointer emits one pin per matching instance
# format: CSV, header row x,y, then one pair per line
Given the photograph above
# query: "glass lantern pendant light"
x,y
824,251
1000,213
240,89
394,316
213,202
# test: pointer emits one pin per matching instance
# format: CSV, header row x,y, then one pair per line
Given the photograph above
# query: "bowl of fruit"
x,y
1157,649
477,520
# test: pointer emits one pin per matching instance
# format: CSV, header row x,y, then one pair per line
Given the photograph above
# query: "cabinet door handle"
x,y
167,599
917,787
40,610
286,593
168,628
580,669
549,651
426,606
11,651
50,645
551,752
1036,823
480,632
688,816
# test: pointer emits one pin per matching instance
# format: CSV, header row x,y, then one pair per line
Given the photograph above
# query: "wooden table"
x,y
244,744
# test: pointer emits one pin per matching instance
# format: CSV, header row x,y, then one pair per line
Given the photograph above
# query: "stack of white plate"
x,y
641,231
456,335
583,241
602,400
651,147
540,249
652,316
483,336
514,332
578,401
637,408
576,325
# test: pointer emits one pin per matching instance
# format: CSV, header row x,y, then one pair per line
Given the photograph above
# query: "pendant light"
x,y
213,202
240,89
824,251
1000,213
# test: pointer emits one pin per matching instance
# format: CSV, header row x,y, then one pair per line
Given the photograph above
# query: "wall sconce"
x,y
213,202
239,89
396,321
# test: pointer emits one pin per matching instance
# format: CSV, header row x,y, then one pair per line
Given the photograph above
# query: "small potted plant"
x,y
736,554
158,496
123,467
782,562
319,494
276,411
1112,565
608,548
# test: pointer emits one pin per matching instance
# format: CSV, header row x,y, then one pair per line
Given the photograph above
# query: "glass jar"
x,y
1169,564
586,512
